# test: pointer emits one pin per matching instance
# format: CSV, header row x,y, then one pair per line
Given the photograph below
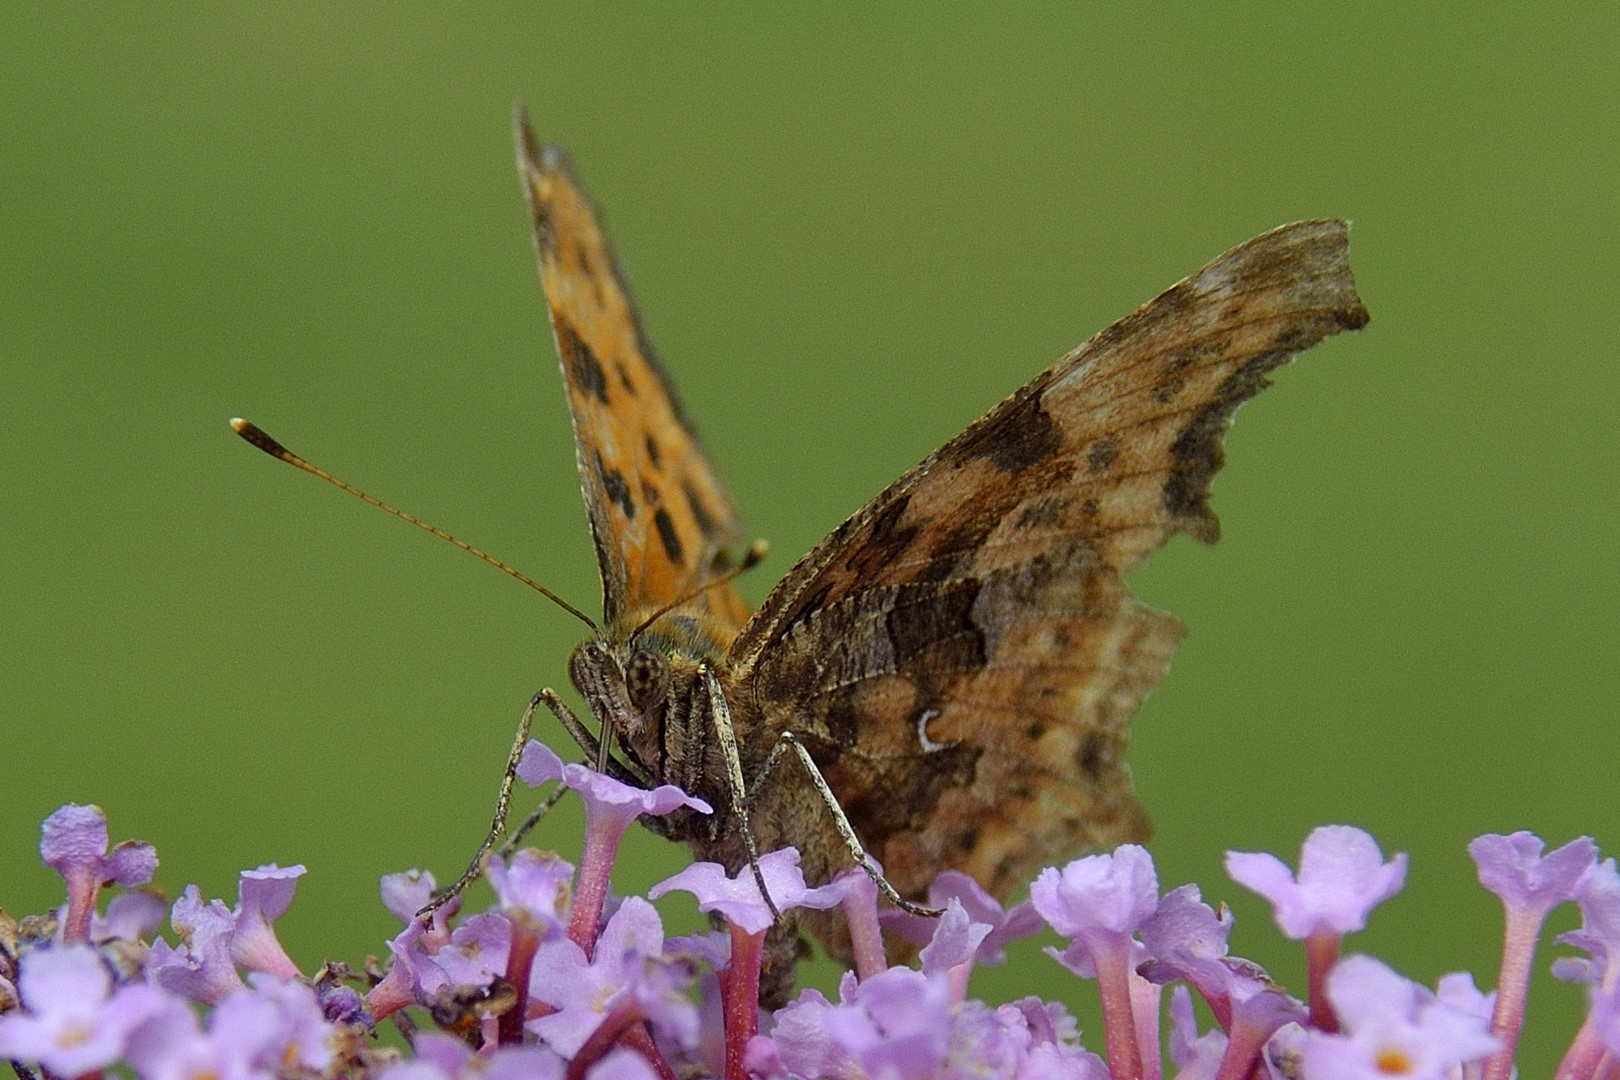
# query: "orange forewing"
x,y
661,519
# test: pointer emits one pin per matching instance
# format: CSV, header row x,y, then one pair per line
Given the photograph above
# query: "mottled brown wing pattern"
x,y
661,519
962,656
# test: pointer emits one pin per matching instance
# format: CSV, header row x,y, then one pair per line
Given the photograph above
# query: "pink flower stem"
x,y
1321,953
1242,1052
82,889
1145,999
1585,1054
1513,986
519,961
595,874
1119,1024
640,1039
865,936
626,1024
742,997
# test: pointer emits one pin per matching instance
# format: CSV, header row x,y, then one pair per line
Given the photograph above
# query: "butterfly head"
x,y
640,686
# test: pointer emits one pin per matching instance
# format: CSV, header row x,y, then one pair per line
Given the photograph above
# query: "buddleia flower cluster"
x,y
560,979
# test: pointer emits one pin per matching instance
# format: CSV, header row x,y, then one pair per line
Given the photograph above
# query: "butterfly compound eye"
x,y
646,678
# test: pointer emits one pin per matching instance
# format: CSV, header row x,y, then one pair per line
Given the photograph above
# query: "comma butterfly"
x,y
960,659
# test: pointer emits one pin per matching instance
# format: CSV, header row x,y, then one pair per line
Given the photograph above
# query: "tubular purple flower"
x,y
628,973
1342,877
263,896
738,899
73,842
1195,1056
1514,868
131,916
1099,902
1529,885
201,969
610,807
1006,925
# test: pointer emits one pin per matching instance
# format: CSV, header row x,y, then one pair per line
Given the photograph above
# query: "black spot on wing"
x,y
667,535
1091,756
1166,391
1102,453
1018,436
890,538
649,354
700,513
1196,455
583,367
932,631
653,454
616,489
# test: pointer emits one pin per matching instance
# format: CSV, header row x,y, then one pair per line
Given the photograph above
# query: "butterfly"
x,y
960,659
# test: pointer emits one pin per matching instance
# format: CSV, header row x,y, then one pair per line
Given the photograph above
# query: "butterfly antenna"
x,y
751,558
258,437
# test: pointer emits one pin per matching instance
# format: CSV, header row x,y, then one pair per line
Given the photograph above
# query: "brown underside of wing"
x,y
962,655
660,516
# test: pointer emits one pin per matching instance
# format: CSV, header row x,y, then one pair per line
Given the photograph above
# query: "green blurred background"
x,y
851,232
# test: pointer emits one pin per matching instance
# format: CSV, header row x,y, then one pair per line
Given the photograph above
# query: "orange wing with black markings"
x,y
661,518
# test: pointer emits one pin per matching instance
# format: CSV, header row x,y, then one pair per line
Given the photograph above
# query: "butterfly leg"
x,y
743,797
720,710
503,802
788,743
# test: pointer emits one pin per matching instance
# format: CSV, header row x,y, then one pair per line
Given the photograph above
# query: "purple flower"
x,y
252,1034
1006,925
1392,1027
1599,899
131,916
1195,1056
613,799
895,1024
72,1021
617,1064
1458,991
610,806
201,969
738,898
73,842
263,896
1098,902
627,972
1514,868
1185,939
1605,1018
1342,877
409,891
471,955
956,940
1529,885
215,941
904,1024
303,1036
